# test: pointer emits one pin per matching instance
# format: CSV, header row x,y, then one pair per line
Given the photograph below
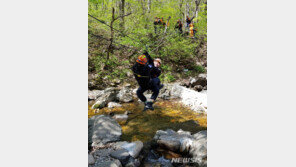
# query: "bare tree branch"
x,y
122,16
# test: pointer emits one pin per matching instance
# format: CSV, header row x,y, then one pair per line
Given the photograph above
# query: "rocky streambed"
x,y
174,134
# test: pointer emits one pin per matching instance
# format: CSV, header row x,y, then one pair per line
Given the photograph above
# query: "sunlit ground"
x,y
166,115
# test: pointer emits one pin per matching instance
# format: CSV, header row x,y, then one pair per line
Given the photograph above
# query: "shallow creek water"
x,y
166,115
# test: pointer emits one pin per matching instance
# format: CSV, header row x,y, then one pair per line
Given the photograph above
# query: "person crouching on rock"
x,y
146,72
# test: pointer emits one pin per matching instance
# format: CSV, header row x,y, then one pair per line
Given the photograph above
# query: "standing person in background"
x,y
179,26
156,23
189,20
192,30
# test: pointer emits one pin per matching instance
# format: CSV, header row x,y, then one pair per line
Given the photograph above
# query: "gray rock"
x,y
133,162
125,95
91,159
133,148
170,144
182,141
117,145
196,101
90,129
103,158
198,148
108,95
104,130
186,83
122,155
198,88
170,91
103,154
113,105
174,141
192,81
120,117
113,163
127,112
127,85
200,80
94,94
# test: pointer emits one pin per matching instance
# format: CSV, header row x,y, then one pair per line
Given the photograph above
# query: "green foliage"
x,y
199,69
178,52
168,77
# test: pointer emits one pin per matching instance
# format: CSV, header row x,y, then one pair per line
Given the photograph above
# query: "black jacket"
x,y
143,73
155,72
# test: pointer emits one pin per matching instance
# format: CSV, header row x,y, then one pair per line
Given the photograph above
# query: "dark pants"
x,y
153,85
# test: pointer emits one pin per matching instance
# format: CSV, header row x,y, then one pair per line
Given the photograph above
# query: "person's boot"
x,y
148,106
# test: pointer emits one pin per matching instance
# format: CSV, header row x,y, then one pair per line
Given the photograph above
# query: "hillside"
x,y
119,31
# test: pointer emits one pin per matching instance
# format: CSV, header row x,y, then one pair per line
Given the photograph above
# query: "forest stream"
x,y
166,115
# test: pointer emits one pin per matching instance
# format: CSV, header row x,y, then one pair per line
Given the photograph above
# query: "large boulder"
x,y
198,149
103,129
183,142
196,101
170,91
107,96
174,141
126,152
125,95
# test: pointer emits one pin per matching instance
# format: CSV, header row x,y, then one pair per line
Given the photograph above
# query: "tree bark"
x,y
112,34
166,25
187,10
122,11
181,11
149,6
197,2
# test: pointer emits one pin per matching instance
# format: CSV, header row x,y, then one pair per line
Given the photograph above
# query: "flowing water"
x,y
166,115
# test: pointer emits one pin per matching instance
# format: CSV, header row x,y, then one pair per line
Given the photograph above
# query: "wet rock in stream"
x,y
113,105
191,146
105,133
103,129
107,96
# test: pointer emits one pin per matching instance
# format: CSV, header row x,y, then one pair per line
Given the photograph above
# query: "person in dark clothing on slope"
x,y
179,26
156,23
146,72
188,20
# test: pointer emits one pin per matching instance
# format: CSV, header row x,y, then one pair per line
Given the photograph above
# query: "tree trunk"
x,y
166,25
181,11
187,9
122,11
112,34
144,13
197,2
149,6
